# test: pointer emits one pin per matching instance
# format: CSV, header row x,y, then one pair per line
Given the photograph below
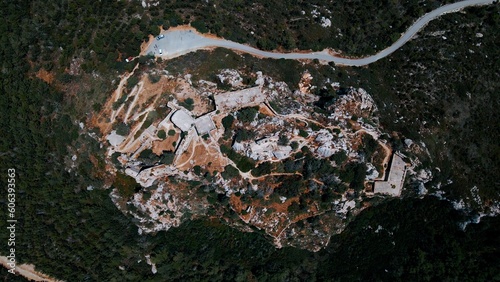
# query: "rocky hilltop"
x,y
295,166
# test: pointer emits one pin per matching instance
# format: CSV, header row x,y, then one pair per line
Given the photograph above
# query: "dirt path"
x,y
276,174
304,119
135,92
99,120
28,271
193,142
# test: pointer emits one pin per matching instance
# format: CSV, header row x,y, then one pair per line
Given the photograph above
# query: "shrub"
x,y
275,106
122,129
132,81
292,166
167,158
146,153
354,174
247,114
97,107
125,185
115,106
314,126
230,172
223,85
303,133
154,78
289,187
146,195
227,121
147,123
243,135
244,163
200,26
152,116
114,159
161,134
293,208
370,145
197,170
283,140
263,169
188,104
339,157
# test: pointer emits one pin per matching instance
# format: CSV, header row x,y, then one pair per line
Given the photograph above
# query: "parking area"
x,y
176,42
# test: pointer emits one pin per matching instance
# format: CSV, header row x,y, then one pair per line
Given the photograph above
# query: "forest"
x,y
75,234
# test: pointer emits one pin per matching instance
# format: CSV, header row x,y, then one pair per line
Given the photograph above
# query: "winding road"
x,y
182,40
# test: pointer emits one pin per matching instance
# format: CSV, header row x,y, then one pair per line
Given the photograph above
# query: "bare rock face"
x,y
324,136
366,101
231,77
356,102
424,175
371,172
326,150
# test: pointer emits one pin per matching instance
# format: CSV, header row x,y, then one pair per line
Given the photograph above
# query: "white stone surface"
x,y
182,119
115,139
394,183
204,124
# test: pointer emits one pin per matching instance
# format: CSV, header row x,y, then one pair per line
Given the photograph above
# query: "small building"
x,y
204,124
182,119
394,179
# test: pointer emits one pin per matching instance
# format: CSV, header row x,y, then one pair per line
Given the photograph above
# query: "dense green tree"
x,y
162,134
247,114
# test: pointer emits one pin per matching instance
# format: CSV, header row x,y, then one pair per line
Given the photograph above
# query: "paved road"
x,y
178,42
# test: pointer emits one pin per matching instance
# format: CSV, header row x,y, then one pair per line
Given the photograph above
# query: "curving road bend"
x,y
180,41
